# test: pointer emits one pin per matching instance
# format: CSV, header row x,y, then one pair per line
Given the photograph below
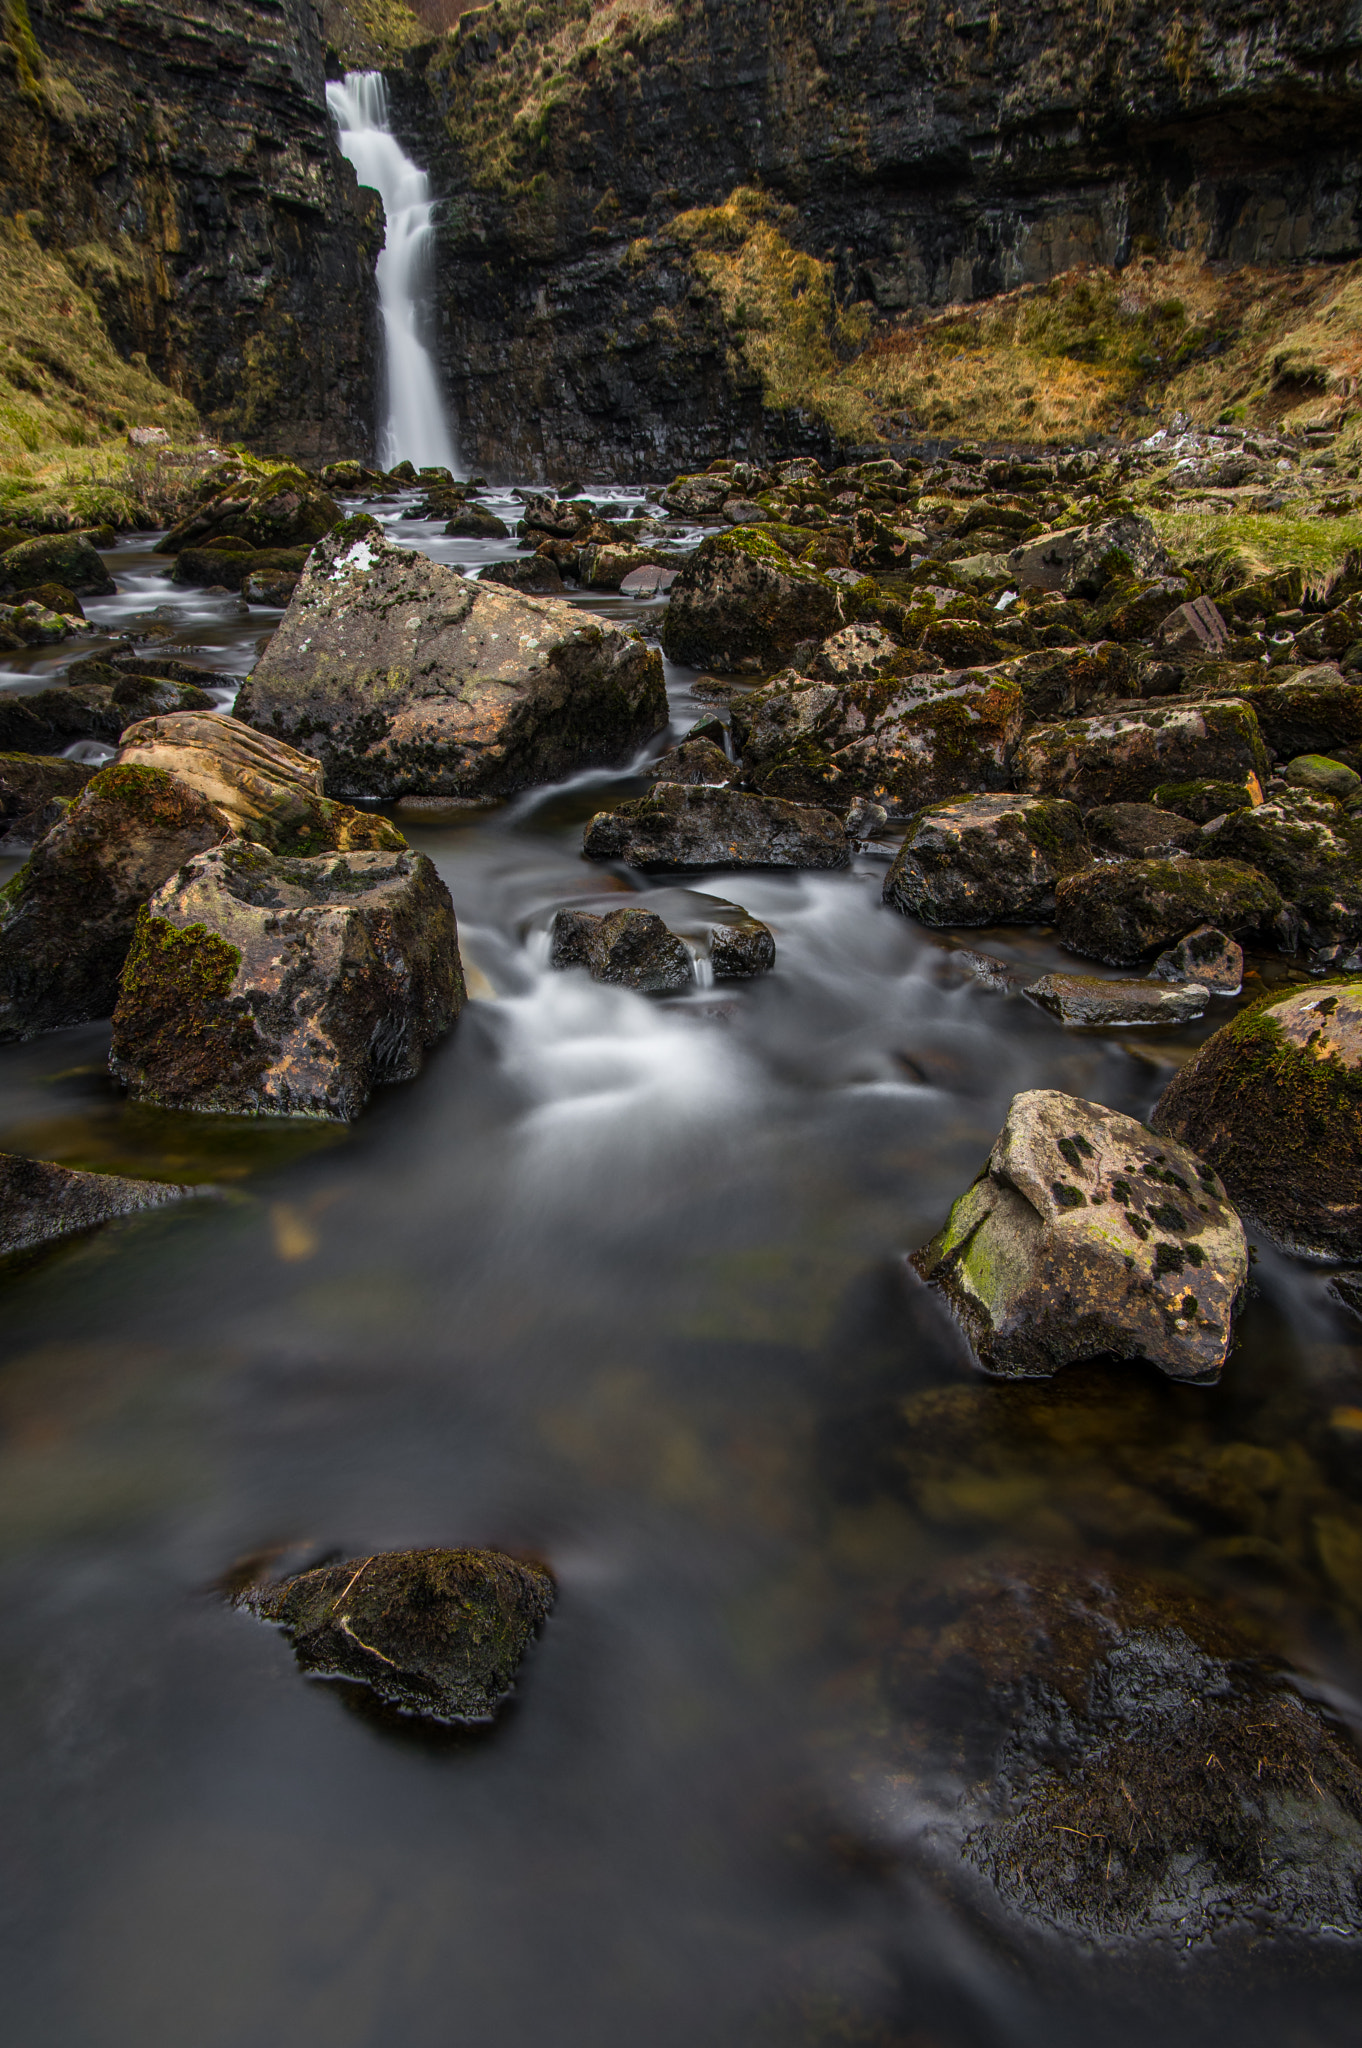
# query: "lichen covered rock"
x,y
260,984
1206,955
404,678
1083,560
986,860
435,1633
688,827
693,761
1274,1102
741,603
1124,756
1118,911
1139,831
286,509
1087,1235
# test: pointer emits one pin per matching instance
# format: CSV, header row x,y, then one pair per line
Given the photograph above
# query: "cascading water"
x,y
417,428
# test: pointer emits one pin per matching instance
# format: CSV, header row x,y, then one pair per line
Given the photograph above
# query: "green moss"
x,y
146,794
17,31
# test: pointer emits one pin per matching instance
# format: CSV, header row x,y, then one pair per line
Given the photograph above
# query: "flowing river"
x,y
617,1282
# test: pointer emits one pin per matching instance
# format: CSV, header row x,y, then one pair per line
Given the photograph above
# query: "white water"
x,y
417,428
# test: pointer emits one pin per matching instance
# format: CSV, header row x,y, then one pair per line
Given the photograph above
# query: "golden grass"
x,y
367,34
1266,540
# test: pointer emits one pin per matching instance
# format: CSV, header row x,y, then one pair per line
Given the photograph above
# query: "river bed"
x,y
617,1283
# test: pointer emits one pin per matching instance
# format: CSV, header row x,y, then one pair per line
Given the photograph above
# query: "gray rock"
x,y
260,984
1123,756
1082,560
1086,999
630,947
404,678
534,573
651,580
1205,955
1196,627
1118,911
1086,1235
435,1633
694,761
986,860
741,604
40,1201
1139,831
690,827
856,654
1318,771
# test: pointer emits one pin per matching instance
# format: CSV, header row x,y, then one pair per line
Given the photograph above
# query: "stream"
x,y
618,1283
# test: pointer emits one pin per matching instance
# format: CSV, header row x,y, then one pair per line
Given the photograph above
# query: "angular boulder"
x,y
404,678
535,574
1139,831
1310,711
1329,777
1205,955
1085,999
1059,682
1311,850
632,948
1082,560
694,761
34,791
287,509
1085,1235
1274,1101
1119,911
439,1634
986,860
687,827
742,604
1123,756
1201,800
40,1201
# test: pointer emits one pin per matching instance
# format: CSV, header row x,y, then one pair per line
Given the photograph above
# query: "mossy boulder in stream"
x,y
741,603
287,509
631,947
69,559
1124,756
688,827
259,984
1086,1235
435,1633
1274,1101
986,860
1120,910
1310,848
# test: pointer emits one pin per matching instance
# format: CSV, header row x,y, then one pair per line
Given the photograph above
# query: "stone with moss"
x,y
684,828
1061,682
41,1201
986,860
630,947
35,790
1086,561
1139,831
67,917
1117,912
1203,798
65,558
1123,756
1092,1001
693,761
743,604
204,568
1311,849
1207,956
1320,772
404,678
1087,1236
439,1634
1309,711
1274,1101
260,984
285,508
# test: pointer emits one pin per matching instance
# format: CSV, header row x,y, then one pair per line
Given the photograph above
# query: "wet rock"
x,y
259,984
35,790
1201,799
29,624
1207,956
1311,850
266,791
1118,912
603,565
53,597
1086,999
67,917
698,497
1059,682
1317,771
631,948
688,827
899,741
65,558
40,1201
741,948
404,678
232,568
693,761
285,510
1133,1767
271,587
1083,560
1274,1101
533,573
436,1633
1086,1235
1139,831
1123,756
857,654
475,522
1196,627
650,581
741,603
986,860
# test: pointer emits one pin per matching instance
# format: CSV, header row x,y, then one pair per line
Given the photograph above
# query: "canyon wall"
x,y
181,159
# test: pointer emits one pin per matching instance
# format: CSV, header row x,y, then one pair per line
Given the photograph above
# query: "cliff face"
x,y
181,159
929,155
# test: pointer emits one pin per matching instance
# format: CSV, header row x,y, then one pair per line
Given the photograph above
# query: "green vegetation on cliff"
x,y
367,34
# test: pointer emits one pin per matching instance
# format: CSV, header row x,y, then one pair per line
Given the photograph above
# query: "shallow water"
x,y
618,1283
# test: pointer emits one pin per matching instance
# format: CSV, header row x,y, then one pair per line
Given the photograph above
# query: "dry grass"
x,y
1264,540
367,34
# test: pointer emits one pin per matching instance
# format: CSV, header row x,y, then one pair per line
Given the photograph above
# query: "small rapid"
x,y
417,426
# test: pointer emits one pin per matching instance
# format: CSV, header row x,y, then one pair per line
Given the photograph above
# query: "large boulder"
x,y
1084,1236
1309,711
1311,849
435,1633
404,678
902,742
260,984
1274,1101
67,917
287,509
40,1201
1140,831
266,791
1059,682
683,827
1119,911
1083,560
986,860
232,568
1123,756
741,603
68,559
694,761
630,947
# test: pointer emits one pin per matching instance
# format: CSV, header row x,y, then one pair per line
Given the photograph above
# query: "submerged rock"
x,y
630,947
986,860
260,984
1117,912
742,603
1086,999
1274,1101
436,1633
40,1201
1124,756
1205,955
1085,1234
404,678
686,826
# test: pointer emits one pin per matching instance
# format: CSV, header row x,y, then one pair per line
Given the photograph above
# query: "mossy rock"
x,y
1118,912
1122,756
1311,849
1203,798
1274,1101
202,567
742,603
986,860
65,558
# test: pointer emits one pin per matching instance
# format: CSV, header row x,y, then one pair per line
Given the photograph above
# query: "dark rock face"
x,y
1311,849
1117,912
193,141
986,860
1139,831
1136,1769
1274,1101
693,761
267,515
1205,955
435,1633
262,985
1082,561
631,948
684,827
40,1201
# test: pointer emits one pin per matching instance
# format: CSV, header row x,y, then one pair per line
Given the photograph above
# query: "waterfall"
x,y
417,427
